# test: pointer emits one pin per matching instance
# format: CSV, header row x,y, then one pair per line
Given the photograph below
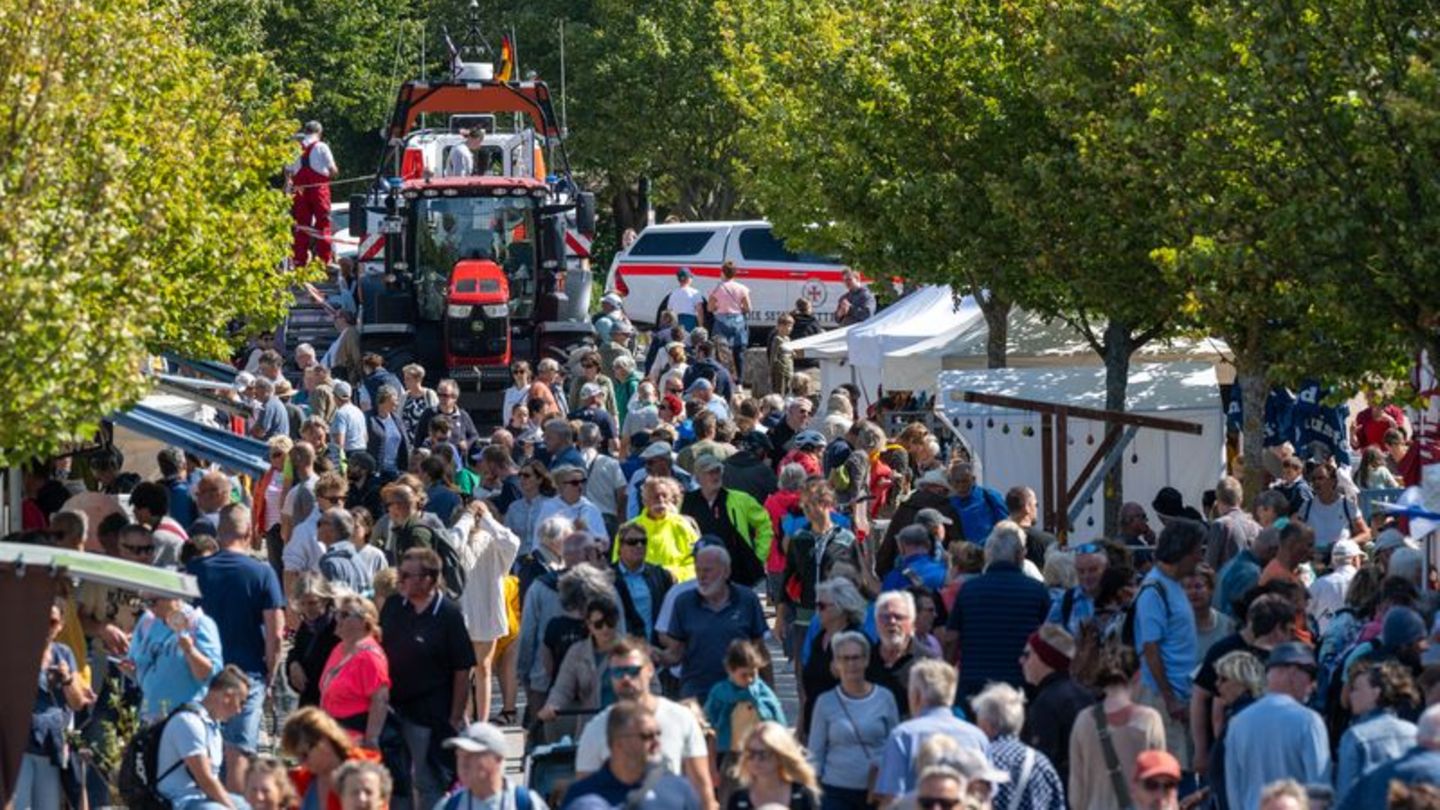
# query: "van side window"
x,y
760,245
671,243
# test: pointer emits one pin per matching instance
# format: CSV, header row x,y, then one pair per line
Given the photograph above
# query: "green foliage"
x,y
138,211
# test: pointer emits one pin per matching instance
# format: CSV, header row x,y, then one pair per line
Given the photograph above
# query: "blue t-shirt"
x,y
165,677
1163,616
236,590
272,420
390,445
979,512
601,789
186,734
709,632
930,571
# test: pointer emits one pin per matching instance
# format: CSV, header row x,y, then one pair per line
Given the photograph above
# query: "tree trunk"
x,y
1119,344
1252,377
996,310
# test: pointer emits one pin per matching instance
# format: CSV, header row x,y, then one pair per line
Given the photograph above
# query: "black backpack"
x,y
452,570
138,782
1127,629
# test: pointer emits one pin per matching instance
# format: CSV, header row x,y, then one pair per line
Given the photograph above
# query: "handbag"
x,y
873,774
1112,759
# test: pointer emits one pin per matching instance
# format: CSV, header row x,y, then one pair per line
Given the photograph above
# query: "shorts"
x,y
242,731
511,587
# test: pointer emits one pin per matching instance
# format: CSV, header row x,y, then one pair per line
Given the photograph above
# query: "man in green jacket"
x,y
734,517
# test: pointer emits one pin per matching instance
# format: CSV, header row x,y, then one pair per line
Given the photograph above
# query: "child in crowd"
x,y
743,700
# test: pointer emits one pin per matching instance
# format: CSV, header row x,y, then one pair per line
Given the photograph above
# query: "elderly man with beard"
x,y
704,622
897,652
1077,604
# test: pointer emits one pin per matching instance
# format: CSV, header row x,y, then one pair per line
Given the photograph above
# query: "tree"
x,y
883,133
139,213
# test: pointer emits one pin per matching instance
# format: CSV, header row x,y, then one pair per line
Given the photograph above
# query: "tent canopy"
x,y
1007,442
237,453
1032,341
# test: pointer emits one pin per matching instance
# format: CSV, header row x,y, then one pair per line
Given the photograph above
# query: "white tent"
x,y
857,354
1007,442
1033,342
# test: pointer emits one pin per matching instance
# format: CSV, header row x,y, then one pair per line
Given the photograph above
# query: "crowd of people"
x,y
618,560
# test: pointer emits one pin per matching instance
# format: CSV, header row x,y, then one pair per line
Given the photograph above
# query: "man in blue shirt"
x,y
272,420
559,446
979,507
917,565
173,668
707,619
634,764
642,586
932,693
244,597
189,755
1165,631
1277,737
1077,604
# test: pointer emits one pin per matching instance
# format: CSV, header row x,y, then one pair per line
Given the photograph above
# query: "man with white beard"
x,y
891,659
716,612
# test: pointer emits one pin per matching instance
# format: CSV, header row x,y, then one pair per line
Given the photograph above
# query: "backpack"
x,y
137,781
452,568
337,560
1127,629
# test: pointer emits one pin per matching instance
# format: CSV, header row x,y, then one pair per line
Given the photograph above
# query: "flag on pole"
x,y
507,60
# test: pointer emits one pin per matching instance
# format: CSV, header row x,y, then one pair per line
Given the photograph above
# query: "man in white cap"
x,y
659,458
591,408
1327,594
347,426
480,762
310,177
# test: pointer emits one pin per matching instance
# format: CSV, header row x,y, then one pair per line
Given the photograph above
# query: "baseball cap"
x,y
243,381
809,438
590,390
708,462
913,535
341,389
1293,653
478,738
1344,549
656,450
613,299
1149,764
684,272
932,517
935,477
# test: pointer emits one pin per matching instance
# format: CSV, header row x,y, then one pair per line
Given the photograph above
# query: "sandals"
x,y
508,717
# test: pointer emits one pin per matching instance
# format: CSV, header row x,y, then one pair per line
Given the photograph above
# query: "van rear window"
x,y
671,243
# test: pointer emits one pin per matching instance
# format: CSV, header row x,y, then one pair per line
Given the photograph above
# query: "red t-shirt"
x,y
1370,429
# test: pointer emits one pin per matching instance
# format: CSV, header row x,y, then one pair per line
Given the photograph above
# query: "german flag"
x,y
507,60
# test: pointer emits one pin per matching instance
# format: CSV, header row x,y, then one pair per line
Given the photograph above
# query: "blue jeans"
x,y
38,785
736,333
427,779
243,730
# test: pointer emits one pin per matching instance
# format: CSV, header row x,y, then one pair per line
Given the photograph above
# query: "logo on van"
x,y
814,292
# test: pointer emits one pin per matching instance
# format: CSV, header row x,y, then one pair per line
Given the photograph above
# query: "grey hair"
x,y
855,637
1002,706
311,583
933,681
1059,570
1006,543
583,584
1229,491
845,596
386,393
774,402
903,597
1267,541
625,362
1407,563
792,477
341,521
553,530
871,436
589,434
718,552
548,364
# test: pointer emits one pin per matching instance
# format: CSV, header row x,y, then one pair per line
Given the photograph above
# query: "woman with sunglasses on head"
x,y
773,771
355,683
321,746
1239,681
517,394
537,489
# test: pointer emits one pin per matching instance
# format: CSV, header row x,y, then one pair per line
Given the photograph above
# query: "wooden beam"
x,y
1062,474
1097,414
1047,465
1112,435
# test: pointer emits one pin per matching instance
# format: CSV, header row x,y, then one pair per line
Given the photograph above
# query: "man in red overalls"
x,y
310,177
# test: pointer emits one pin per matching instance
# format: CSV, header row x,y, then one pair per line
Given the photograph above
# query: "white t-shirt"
x,y
680,738
274,496
321,159
304,550
1331,522
682,300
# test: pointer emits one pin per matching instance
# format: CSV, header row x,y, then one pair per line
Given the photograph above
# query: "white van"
x,y
776,276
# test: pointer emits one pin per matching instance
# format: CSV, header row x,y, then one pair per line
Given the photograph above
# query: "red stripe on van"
x,y
713,271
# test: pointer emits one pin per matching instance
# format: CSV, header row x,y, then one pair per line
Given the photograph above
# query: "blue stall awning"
x,y
235,453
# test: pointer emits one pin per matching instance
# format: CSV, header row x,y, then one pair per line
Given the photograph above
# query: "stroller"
x,y
550,767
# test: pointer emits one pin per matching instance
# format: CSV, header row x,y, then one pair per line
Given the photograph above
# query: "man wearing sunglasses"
x,y
682,749
634,765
